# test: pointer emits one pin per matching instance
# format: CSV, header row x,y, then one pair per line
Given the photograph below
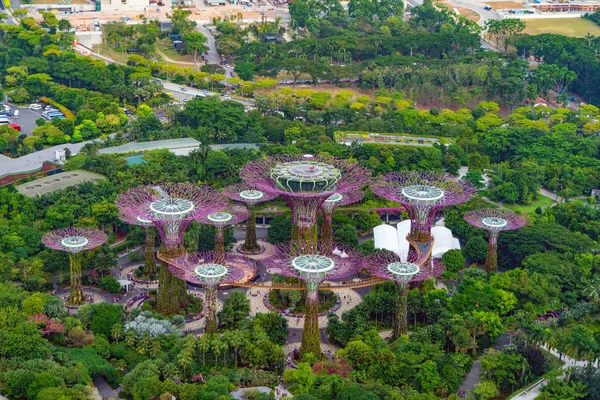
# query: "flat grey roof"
x,y
53,183
137,147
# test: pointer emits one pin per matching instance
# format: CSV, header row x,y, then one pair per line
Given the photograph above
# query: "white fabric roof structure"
x,y
394,239
386,238
443,241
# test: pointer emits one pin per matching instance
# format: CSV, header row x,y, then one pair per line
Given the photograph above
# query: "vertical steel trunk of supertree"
x,y
311,341
172,291
219,245
149,259
76,292
211,309
305,232
491,261
421,231
400,324
250,243
327,231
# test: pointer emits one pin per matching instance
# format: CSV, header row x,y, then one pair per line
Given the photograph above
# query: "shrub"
x,y
67,113
110,284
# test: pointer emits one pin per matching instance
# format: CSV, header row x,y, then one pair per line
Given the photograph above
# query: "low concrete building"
x,y
56,182
124,5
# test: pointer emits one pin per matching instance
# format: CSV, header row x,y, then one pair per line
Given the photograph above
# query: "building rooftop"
x,y
178,146
53,183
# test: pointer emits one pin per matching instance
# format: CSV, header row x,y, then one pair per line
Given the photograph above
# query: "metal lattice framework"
x,y
203,268
494,221
305,182
220,220
171,207
251,196
423,194
403,270
149,259
74,241
338,199
313,268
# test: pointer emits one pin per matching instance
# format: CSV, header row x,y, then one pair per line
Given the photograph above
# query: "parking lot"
x,y
26,118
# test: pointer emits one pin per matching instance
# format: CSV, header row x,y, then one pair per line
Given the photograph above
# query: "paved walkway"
x,y
269,250
472,378
350,298
534,390
104,388
280,392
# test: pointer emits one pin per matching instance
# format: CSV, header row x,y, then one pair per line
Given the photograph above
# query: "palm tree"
x,y
130,337
216,345
116,332
156,347
235,339
144,343
185,358
203,344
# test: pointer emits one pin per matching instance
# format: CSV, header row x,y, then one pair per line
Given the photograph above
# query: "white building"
x,y
387,237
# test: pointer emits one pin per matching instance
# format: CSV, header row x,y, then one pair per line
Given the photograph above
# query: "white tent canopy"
x,y
394,239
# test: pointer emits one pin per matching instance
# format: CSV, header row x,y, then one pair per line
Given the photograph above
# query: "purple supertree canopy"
x,y
229,216
495,219
74,240
402,268
170,207
248,194
342,199
313,268
133,219
201,268
305,176
423,194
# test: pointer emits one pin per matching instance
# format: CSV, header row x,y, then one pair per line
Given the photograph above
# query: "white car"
x,y
6,107
35,107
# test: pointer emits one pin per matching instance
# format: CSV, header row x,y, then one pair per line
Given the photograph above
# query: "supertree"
x,y
332,202
250,196
423,194
149,259
313,268
74,241
403,270
171,207
305,182
494,221
220,220
202,268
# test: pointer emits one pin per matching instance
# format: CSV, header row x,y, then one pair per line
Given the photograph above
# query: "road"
x,y
184,93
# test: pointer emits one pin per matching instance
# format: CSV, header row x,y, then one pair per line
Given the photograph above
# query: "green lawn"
x,y
109,52
574,27
542,201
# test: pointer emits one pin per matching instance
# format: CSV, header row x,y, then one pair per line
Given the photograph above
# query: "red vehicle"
x,y
16,127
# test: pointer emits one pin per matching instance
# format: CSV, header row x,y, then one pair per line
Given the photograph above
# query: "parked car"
x,y
127,112
35,107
